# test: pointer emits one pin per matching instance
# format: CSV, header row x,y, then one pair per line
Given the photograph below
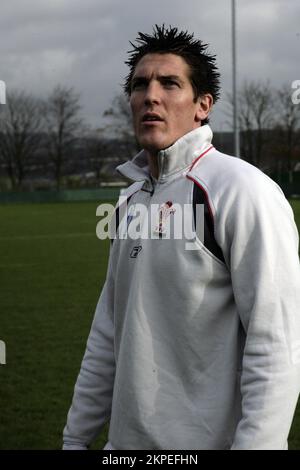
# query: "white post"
x,y
234,87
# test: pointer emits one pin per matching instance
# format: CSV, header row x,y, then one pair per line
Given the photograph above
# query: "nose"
x,y
152,95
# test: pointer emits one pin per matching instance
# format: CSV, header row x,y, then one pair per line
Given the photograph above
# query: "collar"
x,y
175,158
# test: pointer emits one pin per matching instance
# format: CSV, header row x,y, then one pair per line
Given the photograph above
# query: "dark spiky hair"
x,y
204,75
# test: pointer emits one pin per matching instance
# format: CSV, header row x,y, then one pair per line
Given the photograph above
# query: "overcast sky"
x,y
83,43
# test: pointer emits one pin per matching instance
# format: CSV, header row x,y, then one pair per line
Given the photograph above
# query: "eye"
x,y
169,83
138,85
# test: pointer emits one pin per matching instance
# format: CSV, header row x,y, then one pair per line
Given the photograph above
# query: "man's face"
x,y
162,101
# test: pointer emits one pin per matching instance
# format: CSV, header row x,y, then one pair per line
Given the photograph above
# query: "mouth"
x,y
151,118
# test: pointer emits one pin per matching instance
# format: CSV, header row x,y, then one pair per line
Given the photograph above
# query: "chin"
x,y
153,145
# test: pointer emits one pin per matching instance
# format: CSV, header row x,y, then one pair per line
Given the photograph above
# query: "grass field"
x,y
52,268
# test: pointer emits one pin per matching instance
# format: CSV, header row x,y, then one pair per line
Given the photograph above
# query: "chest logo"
x,y
164,211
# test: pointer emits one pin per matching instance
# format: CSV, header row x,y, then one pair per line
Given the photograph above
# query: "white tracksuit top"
x,y
186,350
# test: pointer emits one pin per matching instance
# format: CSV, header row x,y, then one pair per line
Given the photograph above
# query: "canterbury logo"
x,y
135,251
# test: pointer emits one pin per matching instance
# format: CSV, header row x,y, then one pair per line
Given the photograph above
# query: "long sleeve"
x,y
261,239
91,405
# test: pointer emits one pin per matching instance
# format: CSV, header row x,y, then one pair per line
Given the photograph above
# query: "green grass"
x,y
52,268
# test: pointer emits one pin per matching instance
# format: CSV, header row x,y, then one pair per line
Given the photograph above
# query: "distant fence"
x,y
71,195
290,190
101,194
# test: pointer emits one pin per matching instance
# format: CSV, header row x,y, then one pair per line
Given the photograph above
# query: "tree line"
x,y
269,124
51,132
28,123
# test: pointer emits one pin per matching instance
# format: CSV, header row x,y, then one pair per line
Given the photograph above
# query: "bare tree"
x,y
99,154
287,126
262,98
256,110
20,134
63,124
120,123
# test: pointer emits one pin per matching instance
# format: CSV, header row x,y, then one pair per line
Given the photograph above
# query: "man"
x,y
192,348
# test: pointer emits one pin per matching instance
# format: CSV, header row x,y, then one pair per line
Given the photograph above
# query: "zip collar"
x,y
176,158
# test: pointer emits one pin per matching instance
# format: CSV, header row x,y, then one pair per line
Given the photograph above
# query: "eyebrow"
x,y
161,78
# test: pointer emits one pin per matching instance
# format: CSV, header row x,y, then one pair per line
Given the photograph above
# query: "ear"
x,y
205,103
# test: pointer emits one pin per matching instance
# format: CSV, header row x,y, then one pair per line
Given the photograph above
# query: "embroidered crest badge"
x,y
164,211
